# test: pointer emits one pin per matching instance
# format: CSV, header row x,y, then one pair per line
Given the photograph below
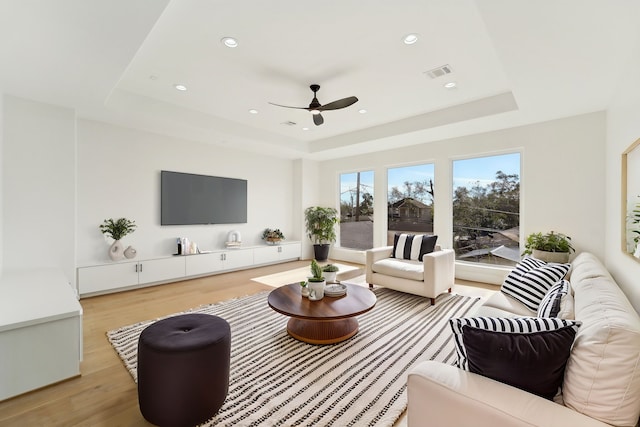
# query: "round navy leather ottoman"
x,y
183,369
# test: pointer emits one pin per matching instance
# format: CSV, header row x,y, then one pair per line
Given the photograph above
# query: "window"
x,y
410,200
486,209
356,210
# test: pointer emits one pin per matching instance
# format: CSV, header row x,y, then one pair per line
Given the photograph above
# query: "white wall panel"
x,y
119,176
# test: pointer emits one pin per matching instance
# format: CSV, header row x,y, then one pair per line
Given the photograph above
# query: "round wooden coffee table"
x,y
327,321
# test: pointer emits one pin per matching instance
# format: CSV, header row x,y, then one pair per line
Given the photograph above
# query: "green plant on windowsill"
x,y
549,242
549,247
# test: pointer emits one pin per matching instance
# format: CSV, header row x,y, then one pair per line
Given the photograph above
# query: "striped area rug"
x,y
276,380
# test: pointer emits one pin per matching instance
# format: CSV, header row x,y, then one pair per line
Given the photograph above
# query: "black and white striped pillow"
x,y
531,279
503,324
413,247
556,302
526,352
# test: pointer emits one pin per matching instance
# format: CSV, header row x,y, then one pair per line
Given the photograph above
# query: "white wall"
x,y
562,177
1,178
38,196
119,176
623,128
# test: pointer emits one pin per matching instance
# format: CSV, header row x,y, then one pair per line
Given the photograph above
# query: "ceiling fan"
x,y
316,108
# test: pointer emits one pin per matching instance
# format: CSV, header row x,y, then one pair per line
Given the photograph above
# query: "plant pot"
x,y
558,257
321,252
316,290
116,251
330,276
273,240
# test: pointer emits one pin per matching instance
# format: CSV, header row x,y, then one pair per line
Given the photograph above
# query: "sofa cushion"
x,y
602,378
406,269
558,302
501,324
531,361
413,247
530,280
505,303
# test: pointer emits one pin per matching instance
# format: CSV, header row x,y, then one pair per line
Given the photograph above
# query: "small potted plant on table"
x,y
316,282
330,271
549,247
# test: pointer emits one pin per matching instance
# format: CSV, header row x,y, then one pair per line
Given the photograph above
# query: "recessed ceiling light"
x,y
180,87
410,38
305,128
229,42
362,111
253,111
450,85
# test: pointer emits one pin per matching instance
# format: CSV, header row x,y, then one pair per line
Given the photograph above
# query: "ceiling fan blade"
x,y
286,106
317,119
341,103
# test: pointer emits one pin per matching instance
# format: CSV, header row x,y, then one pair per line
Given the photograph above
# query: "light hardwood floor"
x,y
105,394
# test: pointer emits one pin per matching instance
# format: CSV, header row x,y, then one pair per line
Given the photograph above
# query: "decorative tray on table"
x,y
335,290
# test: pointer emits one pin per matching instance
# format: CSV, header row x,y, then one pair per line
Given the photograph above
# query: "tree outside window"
x,y
410,200
356,210
486,209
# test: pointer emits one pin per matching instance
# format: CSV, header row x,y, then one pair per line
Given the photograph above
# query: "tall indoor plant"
x,y
549,247
320,223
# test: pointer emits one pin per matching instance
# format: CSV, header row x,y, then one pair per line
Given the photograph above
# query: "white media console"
x,y
117,276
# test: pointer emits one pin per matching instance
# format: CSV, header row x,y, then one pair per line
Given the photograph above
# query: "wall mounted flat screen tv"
x,y
200,199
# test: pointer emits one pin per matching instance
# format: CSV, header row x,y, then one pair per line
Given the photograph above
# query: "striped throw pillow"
x,y
530,353
531,279
413,247
558,302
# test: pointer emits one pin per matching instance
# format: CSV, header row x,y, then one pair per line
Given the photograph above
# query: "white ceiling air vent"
x,y
289,123
439,72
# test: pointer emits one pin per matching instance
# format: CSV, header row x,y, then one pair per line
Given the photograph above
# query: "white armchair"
x,y
429,278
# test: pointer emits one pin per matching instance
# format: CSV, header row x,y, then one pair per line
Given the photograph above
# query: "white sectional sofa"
x,y
601,381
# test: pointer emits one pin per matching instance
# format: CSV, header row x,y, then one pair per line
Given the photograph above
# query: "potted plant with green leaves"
x,y
316,282
549,247
330,271
320,224
272,236
117,229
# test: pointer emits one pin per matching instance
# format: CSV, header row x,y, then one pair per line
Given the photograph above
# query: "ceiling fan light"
x,y
314,112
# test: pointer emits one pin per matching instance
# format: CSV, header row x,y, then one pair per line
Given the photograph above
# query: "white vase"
x,y
330,276
130,252
316,290
116,251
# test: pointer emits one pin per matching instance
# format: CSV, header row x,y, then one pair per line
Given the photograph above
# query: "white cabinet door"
x,y
158,270
266,255
203,264
105,277
290,251
237,259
